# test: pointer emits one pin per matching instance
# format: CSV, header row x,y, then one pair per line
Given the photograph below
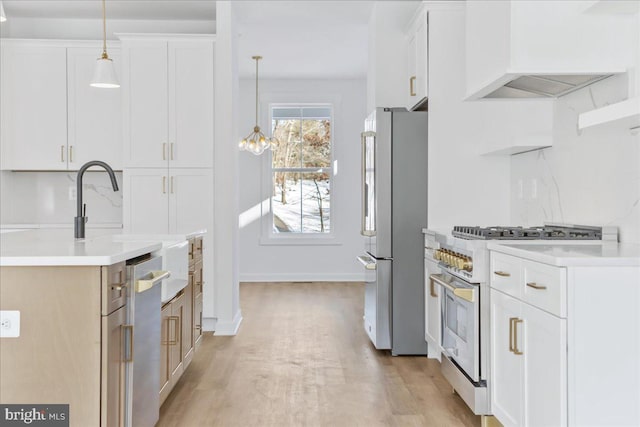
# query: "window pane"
x,y
316,143
316,112
316,202
286,202
289,151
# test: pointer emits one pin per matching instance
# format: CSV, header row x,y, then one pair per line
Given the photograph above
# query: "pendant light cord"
x,y
257,58
104,30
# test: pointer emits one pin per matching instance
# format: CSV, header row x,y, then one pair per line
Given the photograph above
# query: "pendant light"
x,y
104,75
257,142
3,17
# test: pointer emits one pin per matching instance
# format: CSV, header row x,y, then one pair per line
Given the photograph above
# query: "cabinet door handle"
x,y
171,185
62,153
171,151
128,348
71,153
411,81
432,289
515,337
511,320
534,285
164,185
164,151
502,273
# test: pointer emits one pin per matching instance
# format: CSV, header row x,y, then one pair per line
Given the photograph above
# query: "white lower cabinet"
x,y
529,364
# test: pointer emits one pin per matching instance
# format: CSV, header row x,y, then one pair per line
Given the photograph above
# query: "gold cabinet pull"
x,y
432,288
71,153
411,81
129,356
171,185
511,320
515,337
164,185
171,151
534,285
62,153
164,151
502,273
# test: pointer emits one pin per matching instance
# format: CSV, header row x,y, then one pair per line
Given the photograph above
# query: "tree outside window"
x,y
301,169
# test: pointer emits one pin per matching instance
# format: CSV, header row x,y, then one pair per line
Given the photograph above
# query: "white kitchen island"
x,y
565,333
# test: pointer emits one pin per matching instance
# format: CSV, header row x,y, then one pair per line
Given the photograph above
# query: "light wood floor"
x,y
302,358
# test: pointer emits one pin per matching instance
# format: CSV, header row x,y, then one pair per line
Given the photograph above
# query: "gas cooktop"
x,y
546,232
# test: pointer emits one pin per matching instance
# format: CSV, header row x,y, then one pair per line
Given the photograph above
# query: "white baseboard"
x,y
229,328
302,277
209,324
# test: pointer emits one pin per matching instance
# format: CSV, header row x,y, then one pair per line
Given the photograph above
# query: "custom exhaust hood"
x,y
542,49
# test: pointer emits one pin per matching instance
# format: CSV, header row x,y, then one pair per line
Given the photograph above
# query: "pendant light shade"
x,y
3,17
104,75
256,142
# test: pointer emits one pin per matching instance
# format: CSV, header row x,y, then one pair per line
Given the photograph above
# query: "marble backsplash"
x,y
588,177
44,198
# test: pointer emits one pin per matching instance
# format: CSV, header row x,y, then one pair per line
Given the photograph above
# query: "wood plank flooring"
x,y
302,358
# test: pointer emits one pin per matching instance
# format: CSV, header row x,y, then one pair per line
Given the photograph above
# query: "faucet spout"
x,y
81,219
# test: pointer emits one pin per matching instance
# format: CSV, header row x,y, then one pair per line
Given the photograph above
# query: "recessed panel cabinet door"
x,y
506,367
146,198
95,115
113,368
144,89
191,103
190,199
34,107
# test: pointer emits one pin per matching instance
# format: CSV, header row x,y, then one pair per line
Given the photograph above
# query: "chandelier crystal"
x,y
256,142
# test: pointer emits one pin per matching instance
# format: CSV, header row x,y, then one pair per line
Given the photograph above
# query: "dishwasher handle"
x,y
156,277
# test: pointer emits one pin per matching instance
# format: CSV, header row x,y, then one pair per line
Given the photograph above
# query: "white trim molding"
x,y
228,328
302,277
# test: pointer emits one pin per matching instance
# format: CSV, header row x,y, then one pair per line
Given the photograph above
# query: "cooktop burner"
x,y
547,232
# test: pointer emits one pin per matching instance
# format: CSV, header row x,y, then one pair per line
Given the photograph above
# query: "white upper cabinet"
x,y
51,119
168,101
34,107
418,60
525,48
94,114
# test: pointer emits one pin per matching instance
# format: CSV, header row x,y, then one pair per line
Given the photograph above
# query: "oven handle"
x,y
464,293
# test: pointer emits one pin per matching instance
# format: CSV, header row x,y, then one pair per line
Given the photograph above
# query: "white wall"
x,y
263,262
43,198
589,177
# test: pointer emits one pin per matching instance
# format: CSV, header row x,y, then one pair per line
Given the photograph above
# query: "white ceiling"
x,y
303,39
116,9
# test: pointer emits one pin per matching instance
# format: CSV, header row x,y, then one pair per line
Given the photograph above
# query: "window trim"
x,y
268,237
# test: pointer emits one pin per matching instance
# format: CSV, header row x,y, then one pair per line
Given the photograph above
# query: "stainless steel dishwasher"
x,y
145,276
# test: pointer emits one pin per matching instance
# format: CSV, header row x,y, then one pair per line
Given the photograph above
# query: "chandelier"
x,y
256,142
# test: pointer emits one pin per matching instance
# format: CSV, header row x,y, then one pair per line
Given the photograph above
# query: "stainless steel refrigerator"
x,y
394,212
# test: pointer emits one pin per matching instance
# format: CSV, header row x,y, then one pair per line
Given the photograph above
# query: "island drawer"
x,y
114,291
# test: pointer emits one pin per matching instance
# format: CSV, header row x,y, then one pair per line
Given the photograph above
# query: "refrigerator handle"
x,y
365,187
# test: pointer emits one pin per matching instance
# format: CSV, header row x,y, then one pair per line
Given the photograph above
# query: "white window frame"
x,y
268,237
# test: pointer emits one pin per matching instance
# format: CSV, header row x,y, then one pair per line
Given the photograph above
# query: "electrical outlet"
x,y
9,324
73,194
520,189
534,188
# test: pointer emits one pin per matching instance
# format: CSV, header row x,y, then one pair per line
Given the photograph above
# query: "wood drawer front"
x,y
197,278
199,245
505,274
114,292
545,287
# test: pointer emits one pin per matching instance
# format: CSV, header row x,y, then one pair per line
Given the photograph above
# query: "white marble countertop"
x,y
51,247
572,254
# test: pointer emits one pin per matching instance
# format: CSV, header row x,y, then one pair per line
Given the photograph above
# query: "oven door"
x,y
461,323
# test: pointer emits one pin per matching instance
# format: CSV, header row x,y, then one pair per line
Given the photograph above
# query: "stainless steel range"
x,y
457,298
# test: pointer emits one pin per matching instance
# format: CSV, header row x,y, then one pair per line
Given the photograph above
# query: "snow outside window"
x,y
301,169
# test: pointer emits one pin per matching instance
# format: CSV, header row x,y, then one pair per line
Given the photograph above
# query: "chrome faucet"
x,y
81,217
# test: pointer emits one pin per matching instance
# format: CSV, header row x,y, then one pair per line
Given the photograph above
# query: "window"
x,y
301,169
